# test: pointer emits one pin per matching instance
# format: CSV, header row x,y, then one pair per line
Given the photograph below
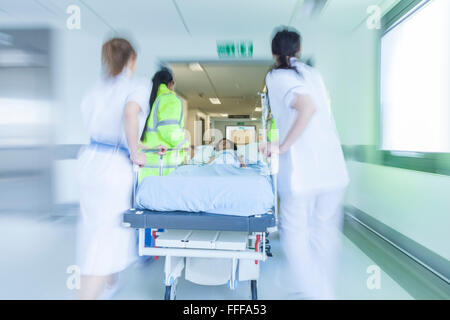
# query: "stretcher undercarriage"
x,y
186,235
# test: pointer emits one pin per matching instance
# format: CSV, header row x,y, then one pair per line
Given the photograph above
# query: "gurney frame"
x,y
246,261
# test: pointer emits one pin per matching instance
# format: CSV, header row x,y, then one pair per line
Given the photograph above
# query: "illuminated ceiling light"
x,y
258,109
254,119
224,115
196,67
215,101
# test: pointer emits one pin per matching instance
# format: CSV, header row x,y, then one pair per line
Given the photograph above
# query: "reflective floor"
x,y
35,254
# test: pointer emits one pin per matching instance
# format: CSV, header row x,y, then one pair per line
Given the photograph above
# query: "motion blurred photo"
x,y
208,151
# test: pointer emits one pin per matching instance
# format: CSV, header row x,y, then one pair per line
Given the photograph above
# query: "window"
x,y
415,104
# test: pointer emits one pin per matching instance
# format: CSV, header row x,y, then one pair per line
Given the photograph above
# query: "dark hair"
x,y
221,141
163,76
286,44
115,55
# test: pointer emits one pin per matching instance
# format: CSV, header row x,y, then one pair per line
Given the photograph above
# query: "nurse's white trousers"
x,y
310,233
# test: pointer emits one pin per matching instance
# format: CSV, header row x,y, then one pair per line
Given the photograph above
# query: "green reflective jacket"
x,y
165,127
272,134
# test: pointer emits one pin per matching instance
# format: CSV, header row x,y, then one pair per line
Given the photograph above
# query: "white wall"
x,y
415,204
194,125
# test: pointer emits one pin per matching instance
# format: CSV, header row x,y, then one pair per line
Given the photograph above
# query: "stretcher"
x,y
183,236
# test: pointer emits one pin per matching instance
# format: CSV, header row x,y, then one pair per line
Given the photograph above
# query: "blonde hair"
x,y
115,55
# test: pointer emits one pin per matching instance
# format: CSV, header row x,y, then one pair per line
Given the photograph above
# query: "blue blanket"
x,y
219,189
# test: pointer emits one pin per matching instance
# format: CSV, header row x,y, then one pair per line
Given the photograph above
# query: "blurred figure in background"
x,y
114,113
312,173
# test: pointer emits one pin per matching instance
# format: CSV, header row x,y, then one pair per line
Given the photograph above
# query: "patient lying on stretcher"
x,y
225,153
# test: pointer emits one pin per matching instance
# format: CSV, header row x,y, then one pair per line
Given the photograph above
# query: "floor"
x,y
36,252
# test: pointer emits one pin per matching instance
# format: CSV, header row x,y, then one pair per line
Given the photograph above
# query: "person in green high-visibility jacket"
x,y
164,129
272,133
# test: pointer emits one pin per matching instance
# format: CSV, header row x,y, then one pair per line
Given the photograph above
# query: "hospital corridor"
x,y
224,150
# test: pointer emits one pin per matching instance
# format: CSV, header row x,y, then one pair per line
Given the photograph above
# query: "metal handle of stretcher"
x,y
275,190
136,169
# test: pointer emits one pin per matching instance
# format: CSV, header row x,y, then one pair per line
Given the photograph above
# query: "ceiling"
x,y
195,17
236,84
164,26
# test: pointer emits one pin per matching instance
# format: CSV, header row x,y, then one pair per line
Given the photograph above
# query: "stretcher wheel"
x,y
253,285
170,293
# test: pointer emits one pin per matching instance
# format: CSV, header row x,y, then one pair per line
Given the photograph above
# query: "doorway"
x,y
220,95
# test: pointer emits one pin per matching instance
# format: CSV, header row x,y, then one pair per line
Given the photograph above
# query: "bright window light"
x,y
196,67
215,101
415,82
18,111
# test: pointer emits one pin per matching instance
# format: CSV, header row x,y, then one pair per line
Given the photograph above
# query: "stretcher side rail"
x,y
147,219
136,169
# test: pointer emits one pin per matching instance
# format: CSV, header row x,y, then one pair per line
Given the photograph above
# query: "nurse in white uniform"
x,y
312,175
114,113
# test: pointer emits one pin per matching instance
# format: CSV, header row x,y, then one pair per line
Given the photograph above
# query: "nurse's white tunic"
x,y
105,177
315,163
312,179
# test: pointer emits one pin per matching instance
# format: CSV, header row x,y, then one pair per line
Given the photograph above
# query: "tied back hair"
x,y
286,44
163,76
115,55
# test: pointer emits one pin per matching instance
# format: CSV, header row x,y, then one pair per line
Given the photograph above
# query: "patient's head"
x,y
225,144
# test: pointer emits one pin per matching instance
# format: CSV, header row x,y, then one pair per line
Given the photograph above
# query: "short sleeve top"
x,y
103,107
315,162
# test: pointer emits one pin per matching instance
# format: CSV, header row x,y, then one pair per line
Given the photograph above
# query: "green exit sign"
x,y
235,49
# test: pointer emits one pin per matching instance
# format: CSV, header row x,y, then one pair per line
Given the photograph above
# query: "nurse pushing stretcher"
x,y
114,113
312,175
